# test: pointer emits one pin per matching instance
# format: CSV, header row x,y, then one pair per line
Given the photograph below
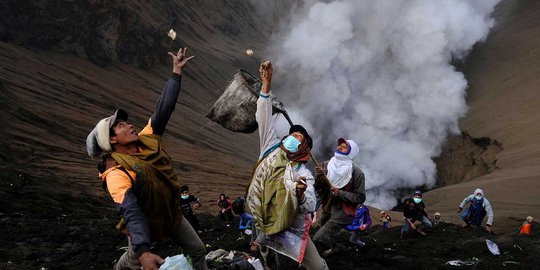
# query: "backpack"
x,y
239,205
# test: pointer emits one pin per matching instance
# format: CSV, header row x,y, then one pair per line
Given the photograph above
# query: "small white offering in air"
x,y
249,52
172,34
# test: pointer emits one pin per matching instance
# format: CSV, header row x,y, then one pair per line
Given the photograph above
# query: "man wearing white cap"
x,y
139,175
346,192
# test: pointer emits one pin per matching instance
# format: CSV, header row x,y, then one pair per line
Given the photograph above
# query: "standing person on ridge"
x,y
281,193
141,180
347,191
479,207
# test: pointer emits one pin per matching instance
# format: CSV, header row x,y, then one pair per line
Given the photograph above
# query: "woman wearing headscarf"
x,y
341,196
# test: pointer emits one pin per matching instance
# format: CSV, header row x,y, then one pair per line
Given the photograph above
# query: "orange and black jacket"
x,y
119,183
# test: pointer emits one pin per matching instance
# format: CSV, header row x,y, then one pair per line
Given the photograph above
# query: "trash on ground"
x,y
493,248
178,262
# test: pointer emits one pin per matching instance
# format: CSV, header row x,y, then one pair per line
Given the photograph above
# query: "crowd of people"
x,y
280,201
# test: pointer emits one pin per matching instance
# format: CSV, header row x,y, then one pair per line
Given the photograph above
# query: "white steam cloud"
x,y
379,72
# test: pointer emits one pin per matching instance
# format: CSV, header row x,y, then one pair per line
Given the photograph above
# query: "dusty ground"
x,y
60,231
53,213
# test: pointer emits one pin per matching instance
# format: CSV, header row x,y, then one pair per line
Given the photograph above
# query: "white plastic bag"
x,y
178,262
256,263
493,247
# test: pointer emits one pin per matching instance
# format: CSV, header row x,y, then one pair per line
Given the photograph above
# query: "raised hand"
x,y
265,71
180,60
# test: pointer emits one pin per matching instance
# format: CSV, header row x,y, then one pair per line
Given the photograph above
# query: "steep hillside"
x,y
504,103
64,66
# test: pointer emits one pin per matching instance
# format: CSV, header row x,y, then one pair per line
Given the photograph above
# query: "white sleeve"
x,y
310,200
267,132
466,201
489,211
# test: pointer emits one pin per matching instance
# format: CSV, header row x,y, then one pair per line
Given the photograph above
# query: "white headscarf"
x,y
340,167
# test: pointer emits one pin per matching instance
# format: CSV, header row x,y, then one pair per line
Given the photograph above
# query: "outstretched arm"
x,y
167,101
267,132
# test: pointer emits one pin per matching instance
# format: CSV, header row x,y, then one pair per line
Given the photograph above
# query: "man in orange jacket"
x,y
141,180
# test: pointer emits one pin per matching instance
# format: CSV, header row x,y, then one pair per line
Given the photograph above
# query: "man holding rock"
x,y
140,177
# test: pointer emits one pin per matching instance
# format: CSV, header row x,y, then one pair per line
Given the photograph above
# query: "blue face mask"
x,y
478,197
417,200
291,144
184,197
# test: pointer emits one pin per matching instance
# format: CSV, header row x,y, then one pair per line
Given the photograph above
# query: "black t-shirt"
x,y
414,210
185,204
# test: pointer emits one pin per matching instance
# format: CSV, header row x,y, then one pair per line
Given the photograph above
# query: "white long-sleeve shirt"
x,y
269,139
485,204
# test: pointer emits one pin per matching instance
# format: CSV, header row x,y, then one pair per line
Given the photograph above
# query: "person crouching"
x,y
414,211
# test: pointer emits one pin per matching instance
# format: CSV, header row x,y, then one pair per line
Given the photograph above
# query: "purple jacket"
x,y
362,217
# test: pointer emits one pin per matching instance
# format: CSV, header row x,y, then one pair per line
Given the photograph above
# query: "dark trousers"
x,y
193,221
184,236
227,215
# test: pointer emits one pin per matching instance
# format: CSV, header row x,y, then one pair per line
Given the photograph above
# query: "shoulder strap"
x,y
104,184
128,174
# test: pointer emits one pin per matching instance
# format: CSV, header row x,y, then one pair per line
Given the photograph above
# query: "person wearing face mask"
x,y
346,192
413,210
186,201
478,209
280,195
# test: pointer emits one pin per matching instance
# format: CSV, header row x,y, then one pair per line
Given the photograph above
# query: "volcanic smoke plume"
x,y
379,72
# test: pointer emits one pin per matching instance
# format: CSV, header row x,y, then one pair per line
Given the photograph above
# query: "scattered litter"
x,y
230,256
123,248
248,231
233,259
471,262
216,254
516,246
257,264
389,249
172,34
178,262
510,263
249,52
493,247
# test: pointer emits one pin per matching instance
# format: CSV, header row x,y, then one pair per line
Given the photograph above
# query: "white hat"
x,y
98,139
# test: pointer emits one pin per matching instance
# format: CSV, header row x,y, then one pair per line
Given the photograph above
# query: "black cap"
x,y
301,129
